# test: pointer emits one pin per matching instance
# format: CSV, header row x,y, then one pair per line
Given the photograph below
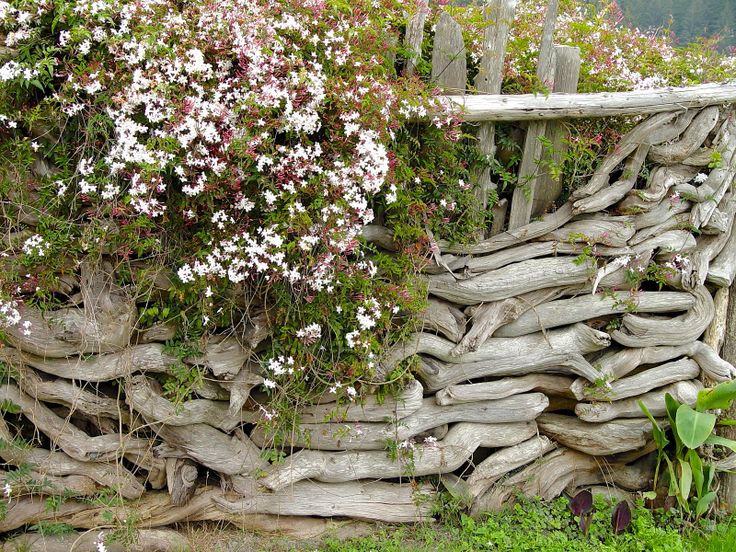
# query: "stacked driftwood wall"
x,y
533,355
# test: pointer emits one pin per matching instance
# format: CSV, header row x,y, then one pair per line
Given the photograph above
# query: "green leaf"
x,y
8,406
693,427
696,465
727,422
722,441
671,406
686,479
660,438
704,503
721,396
709,473
458,489
649,495
674,488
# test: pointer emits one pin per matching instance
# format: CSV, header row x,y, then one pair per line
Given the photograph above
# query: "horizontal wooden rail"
x,y
531,107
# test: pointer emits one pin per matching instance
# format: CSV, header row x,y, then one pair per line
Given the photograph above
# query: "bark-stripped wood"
x,y
75,442
181,479
377,501
49,485
568,311
380,235
372,410
637,331
60,464
691,140
415,35
557,351
371,500
437,375
590,231
719,180
144,540
619,363
444,318
611,194
641,134
449,70
144,396
490,316
560,470
529,171
510,281
514,411
228,454
715,334
506,387
567,73
684,391
529,107
416,460
595,439
659,376
223,356
518,236
661,180
722,270
149,358
502,462
69,394
498,14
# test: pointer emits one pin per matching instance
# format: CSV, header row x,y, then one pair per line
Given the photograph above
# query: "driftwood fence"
x,y
533,356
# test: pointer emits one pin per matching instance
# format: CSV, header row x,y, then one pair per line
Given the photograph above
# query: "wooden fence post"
x,y
728,494
523,198
567,73
499,14
415,35
449,67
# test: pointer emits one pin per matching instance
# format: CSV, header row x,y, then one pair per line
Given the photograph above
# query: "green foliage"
x,y
182,380
690,475
52,528
533,526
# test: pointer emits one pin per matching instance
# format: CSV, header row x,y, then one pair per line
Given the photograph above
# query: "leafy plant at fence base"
x,y
690,476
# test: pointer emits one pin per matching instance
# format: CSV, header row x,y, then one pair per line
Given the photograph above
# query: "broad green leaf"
x,y
671,405
693,427
722,441
696,465
660,438
704,503
649,495
686,479
720,396
726,422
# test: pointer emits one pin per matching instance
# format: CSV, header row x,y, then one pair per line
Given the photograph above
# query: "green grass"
x,y
536,527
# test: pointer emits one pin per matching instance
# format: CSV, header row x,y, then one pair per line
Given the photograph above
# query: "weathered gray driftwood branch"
x,y
527,107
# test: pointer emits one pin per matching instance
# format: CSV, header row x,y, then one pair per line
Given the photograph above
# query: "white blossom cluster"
x,y
36,246
183,107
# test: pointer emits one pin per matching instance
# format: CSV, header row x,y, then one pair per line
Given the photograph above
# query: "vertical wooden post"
x,y
449,66
523,198
728,353
499,14
415,35
567,73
